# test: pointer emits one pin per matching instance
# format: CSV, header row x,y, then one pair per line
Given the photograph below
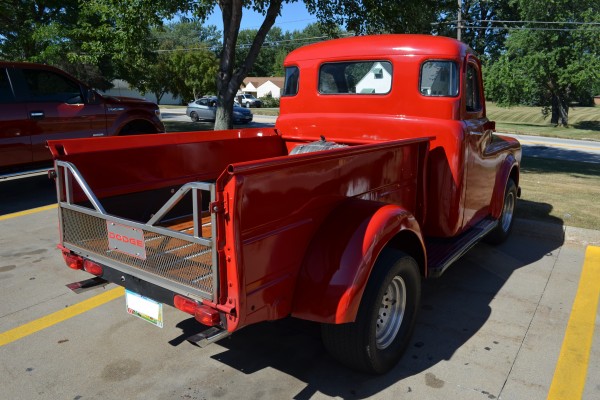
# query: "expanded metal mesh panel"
x,y
172,258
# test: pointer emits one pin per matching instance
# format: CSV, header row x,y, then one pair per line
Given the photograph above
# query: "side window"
x,y
356,77
439,79
203,102
290,85
472,94
47,86
6,95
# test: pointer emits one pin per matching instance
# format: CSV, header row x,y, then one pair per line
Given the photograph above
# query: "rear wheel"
x,y
194,116
505,222
376,340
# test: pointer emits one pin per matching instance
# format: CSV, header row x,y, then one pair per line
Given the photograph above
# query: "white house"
x,y
377,80
263,86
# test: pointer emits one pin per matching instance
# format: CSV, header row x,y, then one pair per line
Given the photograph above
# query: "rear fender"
x,y
508,169
340,258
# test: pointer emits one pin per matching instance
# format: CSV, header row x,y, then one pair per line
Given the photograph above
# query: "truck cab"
x,y
404,86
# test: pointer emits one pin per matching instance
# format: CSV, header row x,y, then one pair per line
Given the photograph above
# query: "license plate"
x,y
126,239
144,308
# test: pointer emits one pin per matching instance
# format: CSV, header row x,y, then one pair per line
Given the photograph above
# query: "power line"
x,y
462,21
539,22
525,28
248,45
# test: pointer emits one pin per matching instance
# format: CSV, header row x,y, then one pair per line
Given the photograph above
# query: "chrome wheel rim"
x,y
391,313
507,211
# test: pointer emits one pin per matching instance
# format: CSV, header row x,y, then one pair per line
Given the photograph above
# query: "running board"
x,y
208,336
441,253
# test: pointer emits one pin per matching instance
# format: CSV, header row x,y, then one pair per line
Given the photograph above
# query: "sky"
x,y
294,16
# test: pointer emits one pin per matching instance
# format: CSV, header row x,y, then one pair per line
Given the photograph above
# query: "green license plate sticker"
x,y
144,308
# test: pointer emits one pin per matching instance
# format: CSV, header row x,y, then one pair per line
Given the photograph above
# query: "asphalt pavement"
x,y
501,323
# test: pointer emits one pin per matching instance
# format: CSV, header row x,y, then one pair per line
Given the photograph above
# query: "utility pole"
x,y
459,21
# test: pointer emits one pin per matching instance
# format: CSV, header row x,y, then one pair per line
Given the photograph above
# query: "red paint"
x,y
28,119
300,234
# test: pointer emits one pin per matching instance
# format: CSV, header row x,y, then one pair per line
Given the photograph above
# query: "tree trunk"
x,y
228,81
560,111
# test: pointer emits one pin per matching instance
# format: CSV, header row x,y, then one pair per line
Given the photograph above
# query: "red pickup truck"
x,y
382,169
40,103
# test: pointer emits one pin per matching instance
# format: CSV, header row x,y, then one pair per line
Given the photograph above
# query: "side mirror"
x,y
91,97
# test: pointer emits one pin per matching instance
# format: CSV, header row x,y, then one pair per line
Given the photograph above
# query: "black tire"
x,y
505,222
194,116
375,341
139,127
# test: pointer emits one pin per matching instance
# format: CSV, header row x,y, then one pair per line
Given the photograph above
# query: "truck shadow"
x,y
454,309
26,193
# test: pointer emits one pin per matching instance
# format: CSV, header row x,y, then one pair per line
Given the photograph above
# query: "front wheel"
x,y
386,318
194,116
505,222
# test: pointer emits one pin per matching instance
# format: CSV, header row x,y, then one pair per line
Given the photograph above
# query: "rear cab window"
x,y
439,78
356,77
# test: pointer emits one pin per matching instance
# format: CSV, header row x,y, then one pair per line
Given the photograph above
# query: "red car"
x,y
39,103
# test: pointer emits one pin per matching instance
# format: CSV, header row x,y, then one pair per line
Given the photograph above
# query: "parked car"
x,y
39,103
247,100
205,109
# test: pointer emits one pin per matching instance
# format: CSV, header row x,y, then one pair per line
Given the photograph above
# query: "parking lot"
x,y
501,323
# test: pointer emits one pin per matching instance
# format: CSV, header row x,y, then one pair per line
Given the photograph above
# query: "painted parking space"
x,y
472,340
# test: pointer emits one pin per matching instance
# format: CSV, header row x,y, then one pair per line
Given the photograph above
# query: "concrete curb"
x,y
557,232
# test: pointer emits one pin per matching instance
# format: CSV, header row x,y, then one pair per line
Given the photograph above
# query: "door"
x,y
482,162
15,141
57,110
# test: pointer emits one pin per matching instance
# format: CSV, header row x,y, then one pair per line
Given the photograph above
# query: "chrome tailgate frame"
x,y
81,230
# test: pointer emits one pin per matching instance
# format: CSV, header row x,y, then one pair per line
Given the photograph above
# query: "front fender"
x,y
340,258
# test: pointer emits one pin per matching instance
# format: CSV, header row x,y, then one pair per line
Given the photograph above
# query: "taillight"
x,y
73,261
205,315
93,268
184,304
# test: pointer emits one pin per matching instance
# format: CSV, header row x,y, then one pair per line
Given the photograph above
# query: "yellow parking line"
x,y
59,316
27,212
571,369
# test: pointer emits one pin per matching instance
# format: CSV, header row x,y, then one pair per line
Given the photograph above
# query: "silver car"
x,y
205,109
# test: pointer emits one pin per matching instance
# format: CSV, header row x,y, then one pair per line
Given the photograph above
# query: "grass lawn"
x,y
584,121
564,192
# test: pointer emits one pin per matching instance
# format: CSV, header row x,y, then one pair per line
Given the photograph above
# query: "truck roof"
x,y
380,46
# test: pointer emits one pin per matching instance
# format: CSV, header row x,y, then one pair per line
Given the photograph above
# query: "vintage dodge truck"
x,y
382,169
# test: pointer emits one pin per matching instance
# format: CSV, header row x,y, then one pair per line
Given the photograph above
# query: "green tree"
x,y
171,69
194,74
481,28
550,65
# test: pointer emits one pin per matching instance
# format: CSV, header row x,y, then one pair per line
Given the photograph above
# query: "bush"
x,y
270,102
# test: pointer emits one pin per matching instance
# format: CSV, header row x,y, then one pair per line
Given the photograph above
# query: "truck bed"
x,y
183,194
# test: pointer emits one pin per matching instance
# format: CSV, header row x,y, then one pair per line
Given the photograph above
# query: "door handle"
x,y
37,115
